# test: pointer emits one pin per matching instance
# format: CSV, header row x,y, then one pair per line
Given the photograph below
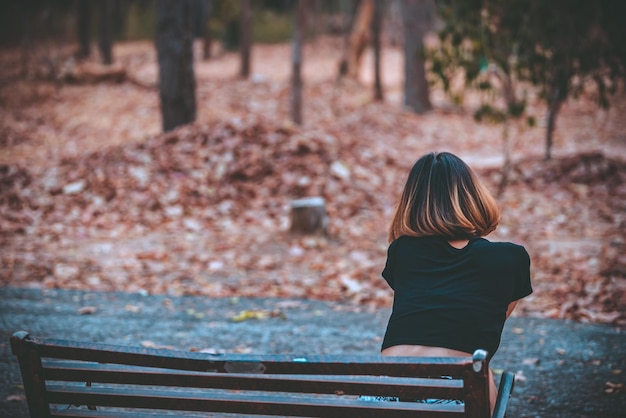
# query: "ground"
x,y
563,369
93,197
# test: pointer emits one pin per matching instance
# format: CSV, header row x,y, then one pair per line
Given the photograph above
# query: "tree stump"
x,y
308,216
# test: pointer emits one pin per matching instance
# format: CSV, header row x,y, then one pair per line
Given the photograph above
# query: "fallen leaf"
x,y
87,310
132,308
533,361
256,314
152,344
520,377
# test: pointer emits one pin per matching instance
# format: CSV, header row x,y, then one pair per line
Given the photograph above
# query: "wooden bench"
x,y
80,379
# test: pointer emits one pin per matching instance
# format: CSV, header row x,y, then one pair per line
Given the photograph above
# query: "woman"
x,y
453,289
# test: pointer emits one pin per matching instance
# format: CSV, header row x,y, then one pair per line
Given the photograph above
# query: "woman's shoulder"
x,y
501,247
412,241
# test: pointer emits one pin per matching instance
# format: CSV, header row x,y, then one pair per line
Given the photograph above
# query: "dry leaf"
x,y
257,314
87,310
152,344
132,308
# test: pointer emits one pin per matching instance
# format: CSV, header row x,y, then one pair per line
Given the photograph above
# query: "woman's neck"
x,y
459,244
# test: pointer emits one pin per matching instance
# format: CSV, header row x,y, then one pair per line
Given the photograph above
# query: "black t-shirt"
x,y
453,298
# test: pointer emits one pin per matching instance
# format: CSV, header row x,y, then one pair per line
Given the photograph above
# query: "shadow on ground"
x,y
564,369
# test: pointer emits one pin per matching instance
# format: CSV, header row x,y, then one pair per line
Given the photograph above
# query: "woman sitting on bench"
x,y
453,289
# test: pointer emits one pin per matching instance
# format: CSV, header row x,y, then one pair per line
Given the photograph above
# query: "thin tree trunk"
x,y
415,21
357,41
296,62
207,39
26,42
105,16
554,106
246,37
508,92
174,42
376,30
506,152
83,19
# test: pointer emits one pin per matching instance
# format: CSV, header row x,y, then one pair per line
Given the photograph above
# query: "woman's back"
x,y
453,298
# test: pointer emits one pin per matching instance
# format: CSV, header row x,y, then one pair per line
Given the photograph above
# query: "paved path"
x,y
564,369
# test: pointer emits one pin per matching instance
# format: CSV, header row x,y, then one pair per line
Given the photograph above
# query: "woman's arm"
x,y
512,306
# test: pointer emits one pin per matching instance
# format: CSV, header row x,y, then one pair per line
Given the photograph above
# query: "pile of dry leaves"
x,y
205,209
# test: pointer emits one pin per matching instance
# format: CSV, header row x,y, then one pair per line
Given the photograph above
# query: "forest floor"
x,y
93,197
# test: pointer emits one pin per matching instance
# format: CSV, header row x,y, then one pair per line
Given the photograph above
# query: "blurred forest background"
x,y
163,146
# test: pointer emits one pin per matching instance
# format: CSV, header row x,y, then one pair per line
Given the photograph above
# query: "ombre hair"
x,y
443,197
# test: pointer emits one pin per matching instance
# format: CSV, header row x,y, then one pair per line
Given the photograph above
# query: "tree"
x,y
376,29
174,42
246,37
489,73
296,62
207,37
105,21
557,46
83,20
357,41
202,10
416,16
84,28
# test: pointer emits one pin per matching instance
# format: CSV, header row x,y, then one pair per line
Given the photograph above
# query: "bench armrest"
x,y
505,389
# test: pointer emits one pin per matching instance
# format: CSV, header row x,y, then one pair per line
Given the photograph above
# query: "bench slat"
x,y
244,403
82,413
249,363
410,388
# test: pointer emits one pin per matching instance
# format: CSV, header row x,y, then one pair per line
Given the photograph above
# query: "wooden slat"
x,y
245,403
274,364
408,388
84,413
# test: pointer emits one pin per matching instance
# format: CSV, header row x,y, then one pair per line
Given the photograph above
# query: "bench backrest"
x,y
101,377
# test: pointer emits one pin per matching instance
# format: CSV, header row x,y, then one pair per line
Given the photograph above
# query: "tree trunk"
x,y
554,106
357,41
508,92
308,215
26,41
296,62
506,153
246,37
105,21
376,30
416,19
83,20
207,39
174,42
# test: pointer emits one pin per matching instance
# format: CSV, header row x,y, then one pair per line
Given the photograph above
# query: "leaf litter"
x,y
92,197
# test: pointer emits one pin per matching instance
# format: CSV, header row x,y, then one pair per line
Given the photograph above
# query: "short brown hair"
x,y
443,197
